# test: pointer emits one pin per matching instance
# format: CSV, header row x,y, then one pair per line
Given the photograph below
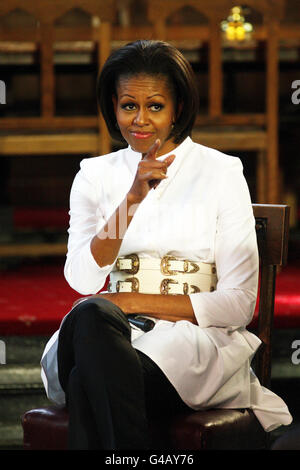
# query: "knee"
x,y
98,306
101,310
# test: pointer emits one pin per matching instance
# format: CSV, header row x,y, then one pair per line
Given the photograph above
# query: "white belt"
x,y
168,275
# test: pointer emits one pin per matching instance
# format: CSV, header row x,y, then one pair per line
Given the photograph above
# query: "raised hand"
x,y
149,173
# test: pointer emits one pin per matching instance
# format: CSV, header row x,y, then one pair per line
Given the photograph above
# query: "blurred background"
x,y
247,62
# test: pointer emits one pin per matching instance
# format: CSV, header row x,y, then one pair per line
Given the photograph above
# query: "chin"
x,y
142,147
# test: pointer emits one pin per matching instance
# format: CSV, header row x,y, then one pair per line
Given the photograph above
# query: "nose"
x,y
141,117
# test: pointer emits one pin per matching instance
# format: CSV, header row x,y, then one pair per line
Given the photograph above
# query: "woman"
x,y
171,222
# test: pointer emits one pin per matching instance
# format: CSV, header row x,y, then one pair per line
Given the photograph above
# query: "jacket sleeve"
x,y
232,304
81,270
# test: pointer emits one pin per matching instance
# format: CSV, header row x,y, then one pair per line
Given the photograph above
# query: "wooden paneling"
x,y
51,134
49,144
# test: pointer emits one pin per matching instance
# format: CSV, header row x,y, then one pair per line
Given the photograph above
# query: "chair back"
x,y
272,227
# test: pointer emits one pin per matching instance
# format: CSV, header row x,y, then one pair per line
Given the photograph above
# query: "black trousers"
x,y
112,389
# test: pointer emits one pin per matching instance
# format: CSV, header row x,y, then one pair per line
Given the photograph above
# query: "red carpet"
x,y
34,299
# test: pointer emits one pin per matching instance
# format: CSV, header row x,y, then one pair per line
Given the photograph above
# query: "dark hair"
x,y
151,58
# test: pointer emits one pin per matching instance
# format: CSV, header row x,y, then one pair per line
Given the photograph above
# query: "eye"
x,y
128,106
156,107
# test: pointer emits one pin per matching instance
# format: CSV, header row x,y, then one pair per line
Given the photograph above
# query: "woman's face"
x,y
145,111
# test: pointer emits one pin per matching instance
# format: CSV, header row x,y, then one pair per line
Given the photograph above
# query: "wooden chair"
x,y
46,428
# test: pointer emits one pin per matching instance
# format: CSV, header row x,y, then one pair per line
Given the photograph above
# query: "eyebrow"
x,y
148,97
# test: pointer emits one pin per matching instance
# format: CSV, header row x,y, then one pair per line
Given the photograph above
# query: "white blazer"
x,y
201,212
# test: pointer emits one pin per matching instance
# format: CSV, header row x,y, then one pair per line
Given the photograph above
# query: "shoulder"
x,y
94,172
215,159
212,164
97,171
95,165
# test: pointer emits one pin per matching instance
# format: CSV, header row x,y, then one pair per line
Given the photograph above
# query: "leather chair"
x,y
216,429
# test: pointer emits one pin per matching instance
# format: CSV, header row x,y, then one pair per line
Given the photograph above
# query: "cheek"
x,y
122,118
168,116
165,122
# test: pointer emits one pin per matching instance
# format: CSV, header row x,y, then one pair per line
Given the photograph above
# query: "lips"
x,y
141,135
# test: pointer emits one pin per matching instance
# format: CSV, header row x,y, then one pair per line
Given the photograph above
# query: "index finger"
x,y
151,154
